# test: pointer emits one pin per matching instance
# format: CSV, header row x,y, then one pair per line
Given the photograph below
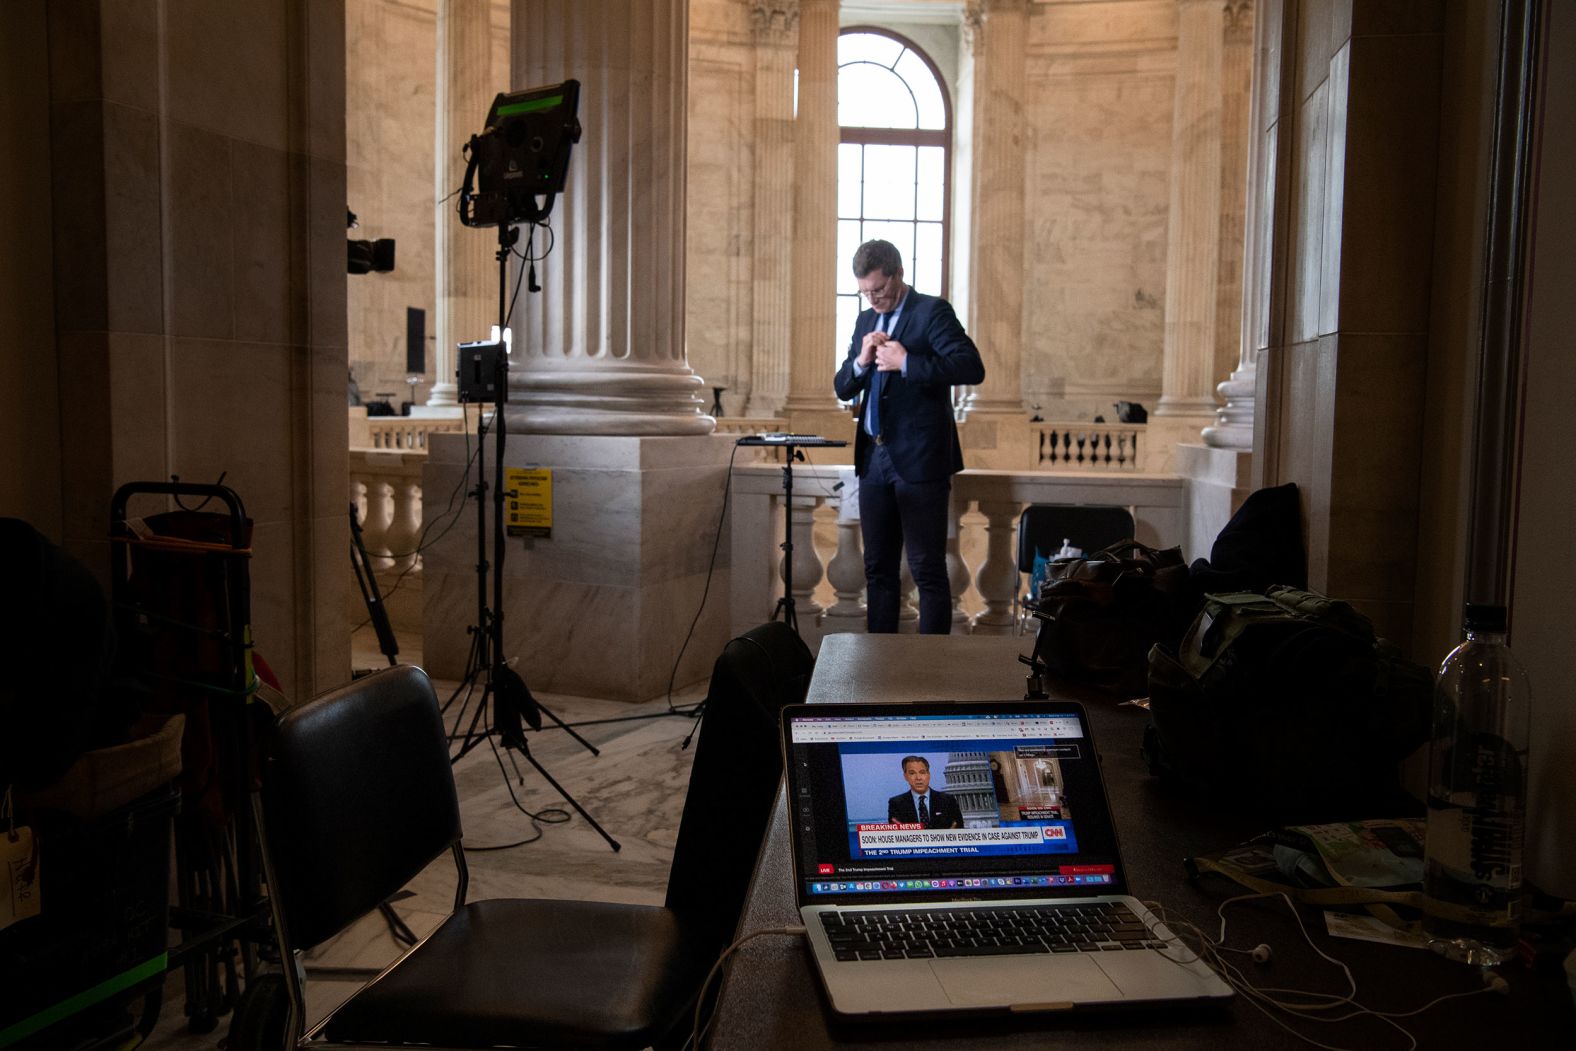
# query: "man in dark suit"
x,y
922,804
908,351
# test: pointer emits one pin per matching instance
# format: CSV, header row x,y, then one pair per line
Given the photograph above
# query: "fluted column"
x,y
998,31
1233,427
813,359
1193,237
464,257
776,25
601,349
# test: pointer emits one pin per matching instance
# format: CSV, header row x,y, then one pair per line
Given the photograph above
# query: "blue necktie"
x,y
924,813
873,413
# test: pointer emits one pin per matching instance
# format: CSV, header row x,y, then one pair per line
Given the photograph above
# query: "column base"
x,y
1218,481
589,396
600,608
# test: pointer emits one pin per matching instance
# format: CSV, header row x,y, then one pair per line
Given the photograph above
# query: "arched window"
x,y
892,162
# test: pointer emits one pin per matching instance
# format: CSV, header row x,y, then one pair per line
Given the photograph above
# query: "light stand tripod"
x,y
512,699
790,444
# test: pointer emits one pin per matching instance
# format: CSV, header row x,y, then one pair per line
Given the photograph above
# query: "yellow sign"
x,y
528,501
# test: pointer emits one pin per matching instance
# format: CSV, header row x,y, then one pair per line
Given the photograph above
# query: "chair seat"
x,y
532,972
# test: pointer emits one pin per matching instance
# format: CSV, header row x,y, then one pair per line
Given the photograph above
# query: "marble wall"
x,y
196,200
1351,115
718,280
389,116
1101,77
390,149
29,386
604,606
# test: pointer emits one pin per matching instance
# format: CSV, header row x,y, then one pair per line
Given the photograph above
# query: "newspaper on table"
x,y
1377,863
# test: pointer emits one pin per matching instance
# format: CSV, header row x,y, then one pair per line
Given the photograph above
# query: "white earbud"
x,y
1262,953
1495,984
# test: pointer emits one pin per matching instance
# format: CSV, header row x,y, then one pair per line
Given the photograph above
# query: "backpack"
x,y
1286,705
1098,616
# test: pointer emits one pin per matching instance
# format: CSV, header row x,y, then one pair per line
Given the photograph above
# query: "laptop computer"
x,y
960,857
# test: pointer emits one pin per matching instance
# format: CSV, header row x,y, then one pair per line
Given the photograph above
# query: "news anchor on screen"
x,y
921,804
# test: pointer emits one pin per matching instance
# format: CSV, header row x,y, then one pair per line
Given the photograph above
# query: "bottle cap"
x,y
1483,616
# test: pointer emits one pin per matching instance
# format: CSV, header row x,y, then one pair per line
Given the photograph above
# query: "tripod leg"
x,y
571,800
472,737
570,730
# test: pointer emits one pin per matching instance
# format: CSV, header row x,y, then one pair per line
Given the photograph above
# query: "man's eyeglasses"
x,y
880,290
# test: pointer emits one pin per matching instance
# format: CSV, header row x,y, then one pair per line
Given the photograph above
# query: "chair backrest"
x,y
357,798
1043,527
733,784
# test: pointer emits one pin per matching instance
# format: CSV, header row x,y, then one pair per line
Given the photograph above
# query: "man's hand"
x,y
890,355
867,349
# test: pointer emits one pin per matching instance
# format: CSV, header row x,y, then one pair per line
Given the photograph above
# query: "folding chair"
x,y
1043,527
359,797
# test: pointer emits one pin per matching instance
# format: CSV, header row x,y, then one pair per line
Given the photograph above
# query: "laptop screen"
x,y
999,799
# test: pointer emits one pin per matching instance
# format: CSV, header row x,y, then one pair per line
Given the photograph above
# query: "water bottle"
x,y
1477,796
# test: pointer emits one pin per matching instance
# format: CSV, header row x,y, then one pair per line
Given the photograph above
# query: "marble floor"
x,y
628,788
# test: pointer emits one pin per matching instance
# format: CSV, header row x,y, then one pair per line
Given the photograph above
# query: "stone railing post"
x,y
958,575
376,519
998,574
846,570
404,531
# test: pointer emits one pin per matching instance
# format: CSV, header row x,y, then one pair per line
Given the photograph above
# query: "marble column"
x,y
466,292
776,24
1193,237
1000,30
996,32
814,322
601,349
1233,426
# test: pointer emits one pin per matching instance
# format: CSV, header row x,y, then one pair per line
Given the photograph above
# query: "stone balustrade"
x,y
408,433
1088,446
385,486
981,544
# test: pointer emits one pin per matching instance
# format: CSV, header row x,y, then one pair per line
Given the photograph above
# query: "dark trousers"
x,y
894,515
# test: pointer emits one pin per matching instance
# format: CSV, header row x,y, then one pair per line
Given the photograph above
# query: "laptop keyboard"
x,y
1107,926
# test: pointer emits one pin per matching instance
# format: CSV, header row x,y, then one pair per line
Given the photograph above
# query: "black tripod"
x,y
512,699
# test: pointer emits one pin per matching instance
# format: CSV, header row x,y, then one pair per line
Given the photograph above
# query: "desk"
x,y
772,998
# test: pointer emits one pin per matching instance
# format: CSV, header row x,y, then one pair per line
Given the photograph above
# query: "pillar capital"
x,y
1238,14
774,21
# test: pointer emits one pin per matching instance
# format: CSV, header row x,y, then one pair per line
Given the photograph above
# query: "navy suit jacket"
x,y
916,409
944,809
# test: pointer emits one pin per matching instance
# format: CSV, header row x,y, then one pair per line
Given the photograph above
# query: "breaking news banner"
x,y
888,840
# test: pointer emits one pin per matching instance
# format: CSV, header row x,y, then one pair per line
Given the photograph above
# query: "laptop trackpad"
x,y
1009,980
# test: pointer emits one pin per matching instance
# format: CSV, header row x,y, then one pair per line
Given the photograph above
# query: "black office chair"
x,y
359,797
1042,528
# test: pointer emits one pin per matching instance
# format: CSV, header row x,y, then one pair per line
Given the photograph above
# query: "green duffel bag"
x,y
1285,705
